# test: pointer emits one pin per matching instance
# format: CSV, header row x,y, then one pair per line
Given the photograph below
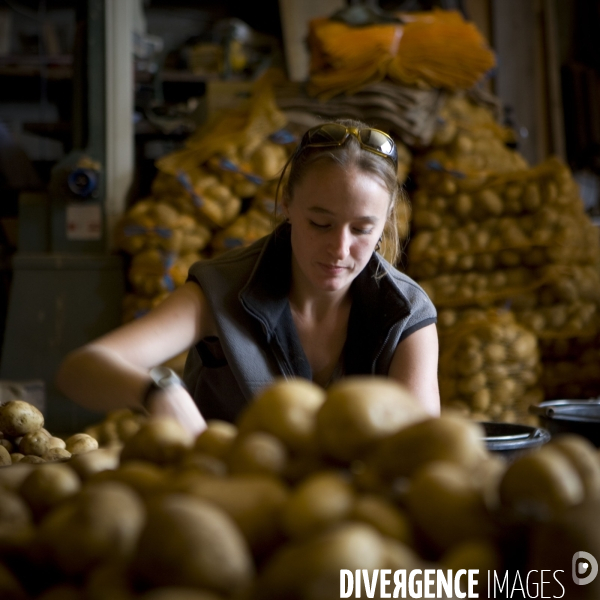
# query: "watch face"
x,y
163,376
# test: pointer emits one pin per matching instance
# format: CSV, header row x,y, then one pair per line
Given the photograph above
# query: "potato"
x,y
56,442
11,479
5,458
10,587
287,410
108,581
254,502
63,591
101,523
32,458
554,542
178,593
190,542
257,452
320,501
35,442
14,511
47,486
541,484
446,438
128,427
484,555
8,445
360,411
446,506
490,201
203,463
80,443
145,478
380,513
17,531
310,569
160,440
18,417
56,454
94,461
216,439
582,455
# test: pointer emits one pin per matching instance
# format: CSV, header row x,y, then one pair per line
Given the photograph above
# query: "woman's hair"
x,y
350,154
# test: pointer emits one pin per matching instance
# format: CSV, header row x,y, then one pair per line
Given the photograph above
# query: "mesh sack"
x,y
489,367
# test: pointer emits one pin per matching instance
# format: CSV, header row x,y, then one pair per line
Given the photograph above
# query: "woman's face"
x,y
337,217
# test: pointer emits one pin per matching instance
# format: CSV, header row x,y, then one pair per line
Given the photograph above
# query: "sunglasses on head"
x,y
335,134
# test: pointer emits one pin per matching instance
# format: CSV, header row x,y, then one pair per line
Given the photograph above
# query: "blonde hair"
x,y
350,154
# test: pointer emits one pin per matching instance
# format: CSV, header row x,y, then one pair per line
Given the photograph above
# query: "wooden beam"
x,y
514,26
119,109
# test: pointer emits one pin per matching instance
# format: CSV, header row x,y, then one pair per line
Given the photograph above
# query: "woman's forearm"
x,y
97,378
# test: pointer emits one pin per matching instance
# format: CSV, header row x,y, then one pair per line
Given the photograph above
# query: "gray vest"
x,y
247,289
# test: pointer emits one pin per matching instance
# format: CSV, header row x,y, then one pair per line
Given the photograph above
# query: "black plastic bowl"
x,y
581,417
511,440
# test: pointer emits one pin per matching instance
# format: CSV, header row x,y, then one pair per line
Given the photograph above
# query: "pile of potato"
x,y
527,219
489,368
490,231
211,195
256,222
307,482
163,242
23,437
469,140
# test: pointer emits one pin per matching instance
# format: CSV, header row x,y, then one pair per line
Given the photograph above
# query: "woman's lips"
x,y
332,269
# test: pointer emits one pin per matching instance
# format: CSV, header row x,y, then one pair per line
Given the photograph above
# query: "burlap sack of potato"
x,y
547,237
240,148
489,367
198,193
155,224
153,272
243,171
247,228
470,142
489,259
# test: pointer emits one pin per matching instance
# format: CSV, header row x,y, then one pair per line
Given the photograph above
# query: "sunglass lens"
x,y
377,140
331,133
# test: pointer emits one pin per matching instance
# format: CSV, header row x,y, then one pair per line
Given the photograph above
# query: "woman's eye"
x,y
359,231
318,225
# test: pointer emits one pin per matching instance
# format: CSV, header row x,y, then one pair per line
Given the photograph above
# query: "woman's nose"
x,y
339,244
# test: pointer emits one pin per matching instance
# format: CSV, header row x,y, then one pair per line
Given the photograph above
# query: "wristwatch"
x,y
161,378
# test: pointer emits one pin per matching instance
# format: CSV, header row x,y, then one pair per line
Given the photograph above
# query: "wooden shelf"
x,y
61,67
51,67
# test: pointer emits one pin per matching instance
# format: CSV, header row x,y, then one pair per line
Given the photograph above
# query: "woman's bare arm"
x,y
415,365
112,371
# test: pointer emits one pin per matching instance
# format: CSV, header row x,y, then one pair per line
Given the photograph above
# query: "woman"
x,y
314,299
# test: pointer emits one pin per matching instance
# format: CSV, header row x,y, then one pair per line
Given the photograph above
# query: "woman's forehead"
x,y
336,189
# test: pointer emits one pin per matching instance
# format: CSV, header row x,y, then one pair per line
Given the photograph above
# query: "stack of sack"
x,y
490,368
436,49
490,231
216,193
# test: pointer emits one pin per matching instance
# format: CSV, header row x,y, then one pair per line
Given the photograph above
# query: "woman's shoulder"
x,y
404,284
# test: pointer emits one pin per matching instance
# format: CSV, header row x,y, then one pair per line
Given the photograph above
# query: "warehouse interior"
x,y
139,138
191,61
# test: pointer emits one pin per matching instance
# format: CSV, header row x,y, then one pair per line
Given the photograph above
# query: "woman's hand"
x,y
175,402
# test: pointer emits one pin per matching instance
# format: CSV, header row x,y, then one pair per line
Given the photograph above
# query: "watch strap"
x,y
161,378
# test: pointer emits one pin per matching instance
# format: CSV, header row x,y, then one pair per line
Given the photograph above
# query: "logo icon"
x,y
585,568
